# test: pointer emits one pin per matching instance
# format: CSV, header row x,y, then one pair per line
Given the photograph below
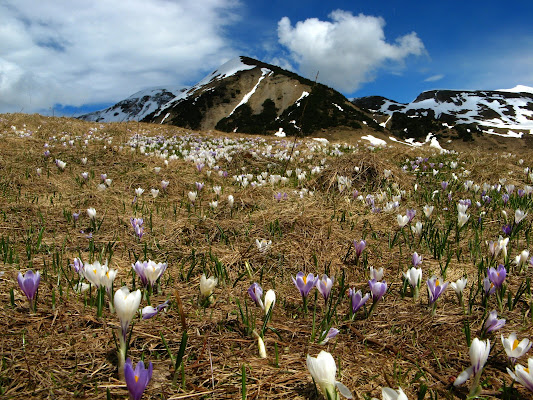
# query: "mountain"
x,y
135,107
491,111
243,95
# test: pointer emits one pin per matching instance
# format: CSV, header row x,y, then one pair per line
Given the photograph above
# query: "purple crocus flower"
x,y
507,229
199,186
417,260
359,247
137,379
488,286
29,283
492,322
358,300
149,311
410,212
378,289
324,286
140,269
435,288
497,276
304,283
330,335
256,292
444,185
78,265
505,198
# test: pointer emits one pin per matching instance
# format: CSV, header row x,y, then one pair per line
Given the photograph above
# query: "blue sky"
x,y
70,57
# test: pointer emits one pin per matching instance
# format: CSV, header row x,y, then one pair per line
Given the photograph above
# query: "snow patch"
x,y
375,141
249,94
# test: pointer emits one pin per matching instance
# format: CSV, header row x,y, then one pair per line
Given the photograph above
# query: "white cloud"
x,y
434,78
347,51
94,51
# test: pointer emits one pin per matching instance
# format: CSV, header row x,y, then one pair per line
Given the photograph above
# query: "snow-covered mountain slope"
x,y
244,95
504,109
136,107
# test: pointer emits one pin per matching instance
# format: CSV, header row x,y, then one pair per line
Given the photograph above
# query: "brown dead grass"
x,y
65,352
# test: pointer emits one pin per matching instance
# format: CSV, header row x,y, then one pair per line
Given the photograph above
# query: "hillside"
x,y
386,231
502,112
244,95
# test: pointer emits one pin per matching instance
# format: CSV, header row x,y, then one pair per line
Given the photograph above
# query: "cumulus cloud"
x,y
90,52
434,78
347,51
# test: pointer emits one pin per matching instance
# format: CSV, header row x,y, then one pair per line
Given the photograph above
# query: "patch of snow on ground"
x,y
163,120
384,124
304,94
509,134
339,107
280,133
249,94
433,142
321,140
375,141
518,89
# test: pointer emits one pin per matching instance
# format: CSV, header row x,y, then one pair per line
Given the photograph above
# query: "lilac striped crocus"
x,y
357,298
137,379
149,311
29,283
256,292
304,283
417,260
377,289
324,286
435,289
492,322
497,276
359,248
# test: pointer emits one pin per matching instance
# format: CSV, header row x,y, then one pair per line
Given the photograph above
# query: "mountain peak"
x,y
518,89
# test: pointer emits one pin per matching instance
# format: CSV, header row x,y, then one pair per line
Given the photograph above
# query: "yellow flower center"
x,y
527,370
515,344
437,283
94,270
136,379
305,279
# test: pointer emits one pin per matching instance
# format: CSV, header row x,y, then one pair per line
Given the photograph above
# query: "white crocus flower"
x,y
459,285
413,276
462,219
262,349
155,192
139,191
519,215
376,274
263,245
521,259
192,196
154,270
323,370
428,210
126,306
270,300
91,212
94,272
230,201
417,228
391,394
513,348
523,375
479,353
207,285
402,220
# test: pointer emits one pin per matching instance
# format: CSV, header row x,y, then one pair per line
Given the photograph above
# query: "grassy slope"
x,y
63,351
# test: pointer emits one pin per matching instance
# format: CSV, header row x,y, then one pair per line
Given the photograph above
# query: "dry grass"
x,y
63,351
